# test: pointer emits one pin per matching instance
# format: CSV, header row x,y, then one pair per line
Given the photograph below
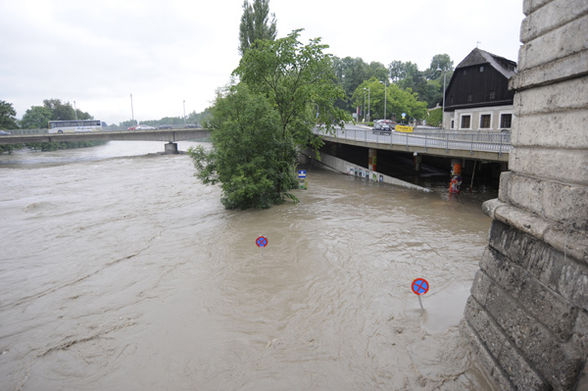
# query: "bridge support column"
x,y
527,316
171,148
418,159
372,159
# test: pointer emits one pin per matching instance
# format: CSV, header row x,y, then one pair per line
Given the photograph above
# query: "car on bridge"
x,y
4,133
383,126
165,127
144,127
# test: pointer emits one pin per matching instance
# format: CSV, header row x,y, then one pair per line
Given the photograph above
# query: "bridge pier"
x,y
171,148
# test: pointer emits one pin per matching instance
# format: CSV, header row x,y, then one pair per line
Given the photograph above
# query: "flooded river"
x,y
122,272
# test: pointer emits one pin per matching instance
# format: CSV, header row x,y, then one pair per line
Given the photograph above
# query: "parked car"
x,y
144,127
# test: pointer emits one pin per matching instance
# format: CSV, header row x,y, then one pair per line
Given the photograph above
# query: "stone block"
x,y
522,220
557,43
560,69
509,276
509,316
509,242
573,284
580,336
558,315
490,206
487,329
481,286
553,98
486,361
521,374
550,199
556,130
530,6
565,165
571,241
551,16
559,363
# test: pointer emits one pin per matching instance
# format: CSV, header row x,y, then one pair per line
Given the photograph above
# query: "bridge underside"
x,y
433,151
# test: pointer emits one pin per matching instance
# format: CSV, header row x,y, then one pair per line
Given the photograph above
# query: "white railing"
x,y
498,142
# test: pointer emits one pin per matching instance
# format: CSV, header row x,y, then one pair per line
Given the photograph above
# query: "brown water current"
x,y
126,273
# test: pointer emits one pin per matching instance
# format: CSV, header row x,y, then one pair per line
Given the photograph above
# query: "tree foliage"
x,y
255,24
52,110
397,101
258,125
7,116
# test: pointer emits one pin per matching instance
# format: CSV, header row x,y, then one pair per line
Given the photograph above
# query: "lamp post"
x,y
184,112
385,96
443,109
132,111
364,90
369,113
75,111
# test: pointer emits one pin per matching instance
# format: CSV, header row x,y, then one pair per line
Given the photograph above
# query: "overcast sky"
x,y
97,53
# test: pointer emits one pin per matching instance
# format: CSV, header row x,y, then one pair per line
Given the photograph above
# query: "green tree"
x,y
286,88
439,63
248,154
296,78
36,117
398,100
59,111
255,24
7,116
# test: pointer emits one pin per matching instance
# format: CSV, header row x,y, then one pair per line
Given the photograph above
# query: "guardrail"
x,y
498,142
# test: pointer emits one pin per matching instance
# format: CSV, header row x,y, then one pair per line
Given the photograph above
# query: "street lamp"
x,y
364,90
184,113
132,111
75,111
369,113
385,96
443,109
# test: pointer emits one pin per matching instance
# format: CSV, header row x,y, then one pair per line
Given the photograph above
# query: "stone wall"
x,y
527,316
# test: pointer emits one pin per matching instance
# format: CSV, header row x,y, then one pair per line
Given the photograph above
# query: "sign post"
x,y
302,179
420,286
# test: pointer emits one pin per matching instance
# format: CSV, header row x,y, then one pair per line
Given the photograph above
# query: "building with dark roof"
x,y
477,97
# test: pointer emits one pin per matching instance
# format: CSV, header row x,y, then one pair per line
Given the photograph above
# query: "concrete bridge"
x,y
487,146
171,136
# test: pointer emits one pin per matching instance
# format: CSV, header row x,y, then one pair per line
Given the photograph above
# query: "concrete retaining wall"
x,y
527,316
345,167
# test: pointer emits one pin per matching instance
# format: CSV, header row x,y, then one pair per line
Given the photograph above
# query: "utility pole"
x,y
369,108
75,111
184,113
364,89
132,111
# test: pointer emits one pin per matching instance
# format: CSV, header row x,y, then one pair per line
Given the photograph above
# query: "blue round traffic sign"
x,y
261,241
420,286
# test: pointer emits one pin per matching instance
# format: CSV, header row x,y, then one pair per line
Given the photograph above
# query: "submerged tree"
x,y
255,24
259,124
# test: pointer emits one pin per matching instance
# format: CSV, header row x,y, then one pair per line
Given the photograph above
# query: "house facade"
x,y
477,97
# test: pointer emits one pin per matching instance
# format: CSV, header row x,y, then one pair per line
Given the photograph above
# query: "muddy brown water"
x,y
124,272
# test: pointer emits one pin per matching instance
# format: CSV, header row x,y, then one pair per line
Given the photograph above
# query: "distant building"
x,y
477,97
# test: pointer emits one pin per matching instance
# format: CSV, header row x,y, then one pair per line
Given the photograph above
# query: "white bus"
x,y
69,126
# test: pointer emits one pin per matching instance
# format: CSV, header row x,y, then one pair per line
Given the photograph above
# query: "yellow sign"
x,y
404,128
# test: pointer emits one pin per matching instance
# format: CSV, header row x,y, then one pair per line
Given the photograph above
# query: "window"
x,y
492,95
481,68
465,121
505,121
452,124
469,98
485,121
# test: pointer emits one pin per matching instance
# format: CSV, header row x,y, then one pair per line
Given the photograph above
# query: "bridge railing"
x,y
498,142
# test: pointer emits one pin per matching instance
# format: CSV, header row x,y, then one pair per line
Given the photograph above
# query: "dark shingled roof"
x,y
479,57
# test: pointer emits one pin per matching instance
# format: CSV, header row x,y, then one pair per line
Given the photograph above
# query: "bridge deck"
x,y
146,135
489,146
